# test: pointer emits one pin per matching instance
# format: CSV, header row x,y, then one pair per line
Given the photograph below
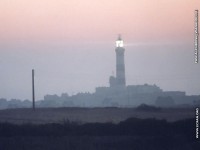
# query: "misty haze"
x,y
118,93
98,75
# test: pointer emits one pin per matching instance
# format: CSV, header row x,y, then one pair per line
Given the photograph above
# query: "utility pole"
x,y
33,90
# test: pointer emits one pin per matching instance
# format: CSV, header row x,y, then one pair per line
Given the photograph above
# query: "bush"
x,y
145,107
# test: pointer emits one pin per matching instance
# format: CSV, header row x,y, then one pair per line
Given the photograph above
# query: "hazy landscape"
x,y
96,132
85,115
99,75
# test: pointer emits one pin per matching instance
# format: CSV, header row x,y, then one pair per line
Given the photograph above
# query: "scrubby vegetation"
x,y
145,107
133,133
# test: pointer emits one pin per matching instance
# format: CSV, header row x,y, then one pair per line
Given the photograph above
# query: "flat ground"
x,y
83,115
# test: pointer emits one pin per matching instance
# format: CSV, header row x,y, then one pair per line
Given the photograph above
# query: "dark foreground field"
x,y
84,115
131,134
142,128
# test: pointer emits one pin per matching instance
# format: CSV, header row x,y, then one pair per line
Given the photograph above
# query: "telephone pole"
x,y
33,90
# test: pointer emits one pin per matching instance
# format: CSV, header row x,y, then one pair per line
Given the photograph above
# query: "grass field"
x,y
84,115
74,129
131,134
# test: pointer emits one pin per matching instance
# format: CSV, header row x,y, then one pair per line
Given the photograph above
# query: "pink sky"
x,y
71,43
94,19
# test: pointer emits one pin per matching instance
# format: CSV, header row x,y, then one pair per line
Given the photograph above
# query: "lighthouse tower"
x,y
120,66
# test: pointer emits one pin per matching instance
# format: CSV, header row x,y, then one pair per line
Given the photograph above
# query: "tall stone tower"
x,y
120,66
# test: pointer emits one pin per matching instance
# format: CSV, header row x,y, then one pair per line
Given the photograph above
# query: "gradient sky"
x,y
71,45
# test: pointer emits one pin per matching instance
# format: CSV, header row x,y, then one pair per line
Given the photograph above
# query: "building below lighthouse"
x,y
120,94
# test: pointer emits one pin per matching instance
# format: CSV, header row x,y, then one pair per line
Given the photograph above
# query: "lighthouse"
x,y
120,65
